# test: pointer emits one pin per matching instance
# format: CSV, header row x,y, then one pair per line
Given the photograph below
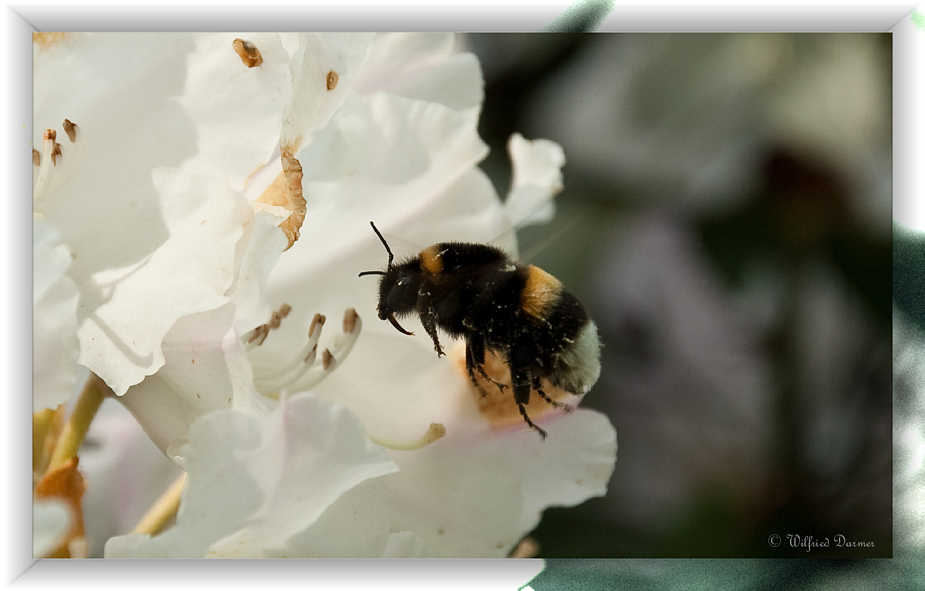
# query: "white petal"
x,y
205,366
126,312
323,72
235,110
262,244
195,379
575,463
357,525
50,521
477,491
537,178
255,483
54,321
423,66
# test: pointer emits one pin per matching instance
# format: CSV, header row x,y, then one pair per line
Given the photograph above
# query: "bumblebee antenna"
x,y
387,249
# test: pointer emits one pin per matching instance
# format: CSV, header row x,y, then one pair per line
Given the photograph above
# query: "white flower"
x,y
129,214
382,131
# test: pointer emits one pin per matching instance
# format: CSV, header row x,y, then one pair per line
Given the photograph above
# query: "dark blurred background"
x,y
726,219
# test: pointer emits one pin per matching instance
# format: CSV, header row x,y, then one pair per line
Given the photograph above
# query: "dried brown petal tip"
x,y
248,53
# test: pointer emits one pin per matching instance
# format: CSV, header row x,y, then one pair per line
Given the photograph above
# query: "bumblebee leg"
x,y
475,361
544,396
522,384
475,357
429,320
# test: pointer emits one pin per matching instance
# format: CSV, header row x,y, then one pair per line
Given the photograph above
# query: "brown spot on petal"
x,y
48,39
496,406
66,484
331,80
248,53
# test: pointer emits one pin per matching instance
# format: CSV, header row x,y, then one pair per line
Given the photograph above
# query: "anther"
x,y
350,320
305,357
71,130
331,80
317,322
257,336
435,432
36,157
52,148
248,53
48,158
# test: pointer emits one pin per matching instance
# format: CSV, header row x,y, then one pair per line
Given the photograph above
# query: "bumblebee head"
x,y
397,289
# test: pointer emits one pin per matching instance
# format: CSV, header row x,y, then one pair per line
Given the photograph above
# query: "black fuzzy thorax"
x,y
477,295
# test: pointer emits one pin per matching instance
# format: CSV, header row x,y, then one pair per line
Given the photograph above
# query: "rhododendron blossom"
x,y
218,228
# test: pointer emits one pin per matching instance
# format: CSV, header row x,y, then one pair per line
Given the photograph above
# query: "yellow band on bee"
x,y
540,293
430,259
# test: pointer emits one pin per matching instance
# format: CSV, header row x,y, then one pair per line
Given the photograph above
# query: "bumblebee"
x,y
518,312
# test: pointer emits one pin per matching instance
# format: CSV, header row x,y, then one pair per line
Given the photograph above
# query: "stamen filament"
x,y
50,152
434,432
333,355
314,333
163,510
303,373
283,383
75,430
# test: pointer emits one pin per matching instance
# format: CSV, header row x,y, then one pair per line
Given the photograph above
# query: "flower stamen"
x,y
256,337
302,372
435,432
47,159
305,356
